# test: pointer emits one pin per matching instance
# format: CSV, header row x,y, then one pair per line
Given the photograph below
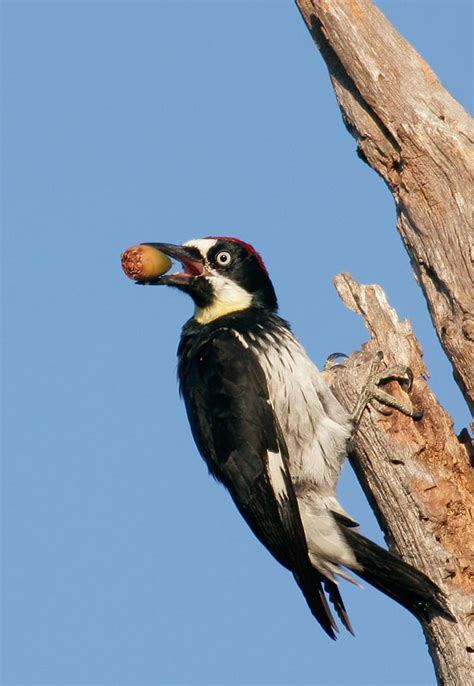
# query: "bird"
x,y
272,432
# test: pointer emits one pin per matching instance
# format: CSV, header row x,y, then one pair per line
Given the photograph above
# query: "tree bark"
x,y
417,475
418,138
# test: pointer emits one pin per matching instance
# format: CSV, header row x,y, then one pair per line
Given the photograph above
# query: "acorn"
x,y
144,263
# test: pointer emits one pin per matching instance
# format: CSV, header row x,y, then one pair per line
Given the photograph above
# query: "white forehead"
x,y
202,244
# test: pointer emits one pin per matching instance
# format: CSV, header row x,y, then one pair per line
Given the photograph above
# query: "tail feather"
x,y
335,597
394,577
311,586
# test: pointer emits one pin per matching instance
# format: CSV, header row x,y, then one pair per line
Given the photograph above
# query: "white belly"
x,y
315,426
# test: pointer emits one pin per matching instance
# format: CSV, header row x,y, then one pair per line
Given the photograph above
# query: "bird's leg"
x,y
371,391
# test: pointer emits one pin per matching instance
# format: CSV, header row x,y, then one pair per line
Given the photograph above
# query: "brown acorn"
x,y
144,263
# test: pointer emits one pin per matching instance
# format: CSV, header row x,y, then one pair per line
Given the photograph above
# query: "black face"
x,y
229,258
245,267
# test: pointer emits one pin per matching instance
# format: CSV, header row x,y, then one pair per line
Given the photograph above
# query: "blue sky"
x,y
123,122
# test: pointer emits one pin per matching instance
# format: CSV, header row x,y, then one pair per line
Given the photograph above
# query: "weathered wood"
x,y
419,139
417,476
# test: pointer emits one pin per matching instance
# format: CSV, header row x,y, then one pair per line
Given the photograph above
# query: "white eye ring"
x,y
223,258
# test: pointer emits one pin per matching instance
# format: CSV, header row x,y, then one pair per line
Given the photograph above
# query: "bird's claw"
x,y
397,372
331,362
379,399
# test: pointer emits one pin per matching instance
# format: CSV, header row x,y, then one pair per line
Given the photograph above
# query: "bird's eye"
x,y
223,258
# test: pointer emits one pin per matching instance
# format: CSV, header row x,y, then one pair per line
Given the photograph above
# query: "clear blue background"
x,y
123,122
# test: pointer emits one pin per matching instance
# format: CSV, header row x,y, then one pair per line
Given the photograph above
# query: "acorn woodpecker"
x,y
272,432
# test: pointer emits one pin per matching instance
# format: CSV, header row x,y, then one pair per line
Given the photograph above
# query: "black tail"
x,y
335,597
397,579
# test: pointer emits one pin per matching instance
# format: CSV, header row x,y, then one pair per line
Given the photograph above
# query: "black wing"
x,y
238,435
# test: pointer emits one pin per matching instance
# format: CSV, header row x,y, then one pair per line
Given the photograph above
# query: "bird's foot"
x,y
381,400
331,363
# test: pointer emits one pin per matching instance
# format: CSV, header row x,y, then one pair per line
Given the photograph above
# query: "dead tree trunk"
x,y
417,475
418,138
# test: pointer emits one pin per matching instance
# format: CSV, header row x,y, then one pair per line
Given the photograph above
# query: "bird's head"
x,y
222,275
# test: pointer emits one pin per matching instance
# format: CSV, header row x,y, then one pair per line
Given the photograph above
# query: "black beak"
x,y
190,258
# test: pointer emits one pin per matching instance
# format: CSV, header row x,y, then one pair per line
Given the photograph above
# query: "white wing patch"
x,y
276,472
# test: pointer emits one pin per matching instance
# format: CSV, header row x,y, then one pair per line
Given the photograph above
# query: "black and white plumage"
x,y
272,432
